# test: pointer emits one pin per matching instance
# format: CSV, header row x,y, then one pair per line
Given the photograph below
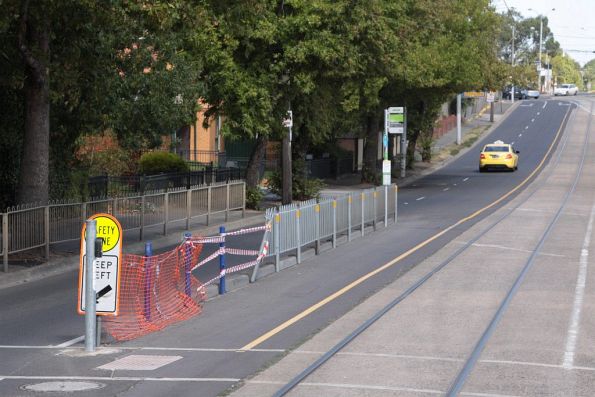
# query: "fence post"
x,y
349,201
276,241
227,201
187,263
363,197
334,223
84,212
244,199
317,212
114,207
222,288
374,207
188,208
165,212
5,241
385,206
46,231
142,216
147,268
396,193
208,205
299,240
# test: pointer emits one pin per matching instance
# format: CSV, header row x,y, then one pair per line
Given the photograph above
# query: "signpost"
x,y
101,251
395,122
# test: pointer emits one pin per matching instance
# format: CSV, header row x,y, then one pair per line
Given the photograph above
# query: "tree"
x,y
566,70
69,56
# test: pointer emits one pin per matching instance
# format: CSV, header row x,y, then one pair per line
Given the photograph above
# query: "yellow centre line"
x,y
404,255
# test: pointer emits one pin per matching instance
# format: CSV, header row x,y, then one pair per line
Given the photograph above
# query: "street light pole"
x,y
512,89
540,39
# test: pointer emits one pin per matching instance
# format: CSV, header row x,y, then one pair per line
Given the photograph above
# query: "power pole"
x,y
286,158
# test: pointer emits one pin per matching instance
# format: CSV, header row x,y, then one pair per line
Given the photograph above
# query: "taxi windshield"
x,y
496,149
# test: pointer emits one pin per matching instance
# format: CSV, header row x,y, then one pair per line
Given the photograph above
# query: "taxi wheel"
x,y
482,169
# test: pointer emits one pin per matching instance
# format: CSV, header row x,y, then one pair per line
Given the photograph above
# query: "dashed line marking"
x,y
538,113
465,180
532,120
527,127
454,184
420,198
520,135
405,203
445,189
544,105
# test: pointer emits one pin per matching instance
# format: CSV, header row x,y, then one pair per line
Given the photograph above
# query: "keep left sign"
x,y
106,269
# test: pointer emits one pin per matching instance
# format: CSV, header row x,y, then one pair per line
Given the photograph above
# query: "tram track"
x,y
462,375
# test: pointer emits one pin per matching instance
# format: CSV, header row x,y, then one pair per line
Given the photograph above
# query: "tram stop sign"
x,y
106,268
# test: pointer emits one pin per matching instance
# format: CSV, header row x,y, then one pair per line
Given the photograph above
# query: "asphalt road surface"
x,y
243,332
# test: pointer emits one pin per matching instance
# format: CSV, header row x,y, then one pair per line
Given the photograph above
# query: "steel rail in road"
x,y
365,325
459,382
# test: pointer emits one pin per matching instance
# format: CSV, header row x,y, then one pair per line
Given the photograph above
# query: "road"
x,y
207,351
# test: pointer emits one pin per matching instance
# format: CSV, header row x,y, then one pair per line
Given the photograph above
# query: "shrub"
x,y
253,198
302,187
157,162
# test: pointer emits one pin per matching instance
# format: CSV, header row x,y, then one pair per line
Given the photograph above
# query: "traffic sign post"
x,y
99,275
395,122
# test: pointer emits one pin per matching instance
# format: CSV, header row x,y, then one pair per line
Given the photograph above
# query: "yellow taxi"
x,y
498,155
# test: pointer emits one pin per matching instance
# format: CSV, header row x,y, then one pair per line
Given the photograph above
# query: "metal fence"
x,y
28,227
315,221
104,185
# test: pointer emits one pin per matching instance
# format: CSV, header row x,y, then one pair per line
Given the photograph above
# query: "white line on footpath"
x,y
72,341
527,127
579,294
538,113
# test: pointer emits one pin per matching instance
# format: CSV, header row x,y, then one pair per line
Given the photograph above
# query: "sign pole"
x,y
90,325
459,97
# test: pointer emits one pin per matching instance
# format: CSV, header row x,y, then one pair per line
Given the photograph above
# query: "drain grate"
x,y
140,363
62,386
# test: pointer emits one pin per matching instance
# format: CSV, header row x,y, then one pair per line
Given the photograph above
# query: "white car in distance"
x,y
566,89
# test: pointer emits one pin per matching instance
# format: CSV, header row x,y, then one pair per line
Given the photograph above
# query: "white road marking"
x,y
454,184
445,189
512,143
527,127
465,180
72,341
420,198
532,120
538,113
579,295
190,349
544,105
520,135
120,378
405,203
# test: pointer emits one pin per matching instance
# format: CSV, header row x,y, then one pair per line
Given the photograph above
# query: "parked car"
x,y
519,93
566,89
533,94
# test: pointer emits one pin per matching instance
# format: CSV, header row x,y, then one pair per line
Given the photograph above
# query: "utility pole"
x,y
512,89
540,38
286,158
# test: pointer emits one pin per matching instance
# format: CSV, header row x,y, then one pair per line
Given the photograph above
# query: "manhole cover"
x,y
63,386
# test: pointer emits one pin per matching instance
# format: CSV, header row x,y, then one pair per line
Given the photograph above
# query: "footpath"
x,y
444,150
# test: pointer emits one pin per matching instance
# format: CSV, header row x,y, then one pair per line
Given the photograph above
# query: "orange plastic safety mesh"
x,y
156,292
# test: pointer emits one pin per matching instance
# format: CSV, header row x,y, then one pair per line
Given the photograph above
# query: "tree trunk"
x,y
370,171
34,168
253,167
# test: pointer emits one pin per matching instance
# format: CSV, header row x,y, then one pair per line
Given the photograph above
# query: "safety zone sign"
x,y
106,269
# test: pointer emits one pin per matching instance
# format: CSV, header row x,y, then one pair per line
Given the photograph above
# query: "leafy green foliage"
x,y
254,198
156,162
566,70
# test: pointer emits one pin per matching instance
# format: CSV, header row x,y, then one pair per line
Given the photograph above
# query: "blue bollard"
x,y
187,264
148,269
222,288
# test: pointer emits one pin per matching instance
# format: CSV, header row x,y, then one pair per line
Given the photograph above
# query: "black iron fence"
x,y
117,186
329,167
212,157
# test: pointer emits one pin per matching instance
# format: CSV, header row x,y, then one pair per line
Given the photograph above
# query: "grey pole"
x,y
90,319
459,96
